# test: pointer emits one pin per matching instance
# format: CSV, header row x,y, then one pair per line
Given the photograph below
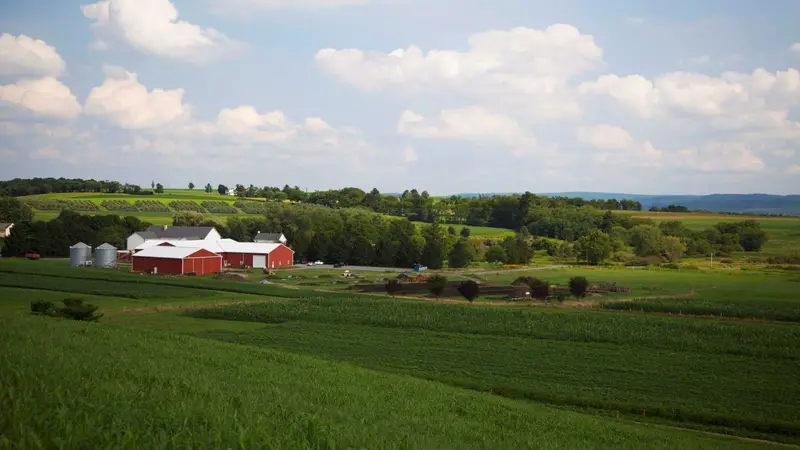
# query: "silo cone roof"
x,y
80,245
106,246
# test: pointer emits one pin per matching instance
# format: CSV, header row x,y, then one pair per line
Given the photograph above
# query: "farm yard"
x,y
577,373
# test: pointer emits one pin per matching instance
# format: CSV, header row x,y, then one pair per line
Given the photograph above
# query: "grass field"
x,y
310,369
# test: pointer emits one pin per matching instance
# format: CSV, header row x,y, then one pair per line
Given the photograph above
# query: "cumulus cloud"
x,y
720,157
499,66
22,55
153,27
468,124
605,137
122,100
731,94
44,96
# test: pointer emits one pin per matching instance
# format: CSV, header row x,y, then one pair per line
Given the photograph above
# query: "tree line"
x,y
53,238
19,187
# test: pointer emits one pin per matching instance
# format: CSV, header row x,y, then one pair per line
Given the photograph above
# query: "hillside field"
x,y
203,362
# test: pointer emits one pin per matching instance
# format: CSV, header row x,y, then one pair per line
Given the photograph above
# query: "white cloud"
x,y
45,96
696,60
795,48
605,137
248,6
720,157
22,55
48,152
409,154
127,103
794,169
152,26
732,94
522,68
468,124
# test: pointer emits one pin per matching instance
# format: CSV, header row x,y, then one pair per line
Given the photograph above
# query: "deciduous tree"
x,y
436,285
578,286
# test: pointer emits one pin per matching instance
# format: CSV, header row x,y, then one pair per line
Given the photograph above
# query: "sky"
x,y
656,97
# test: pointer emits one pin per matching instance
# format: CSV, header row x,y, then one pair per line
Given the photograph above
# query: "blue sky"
x,y
577,95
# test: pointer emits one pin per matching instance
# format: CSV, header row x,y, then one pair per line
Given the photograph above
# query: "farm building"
x,y
5,229
172,233
234,254
252,254
270,238
176,260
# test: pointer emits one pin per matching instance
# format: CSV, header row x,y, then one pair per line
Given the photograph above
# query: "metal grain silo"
x,y
80,254
105,256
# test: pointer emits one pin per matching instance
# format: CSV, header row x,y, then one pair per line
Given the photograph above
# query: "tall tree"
x,y
437,285
209,188
594,248
462,255
159,188
222,189
191,186
434,252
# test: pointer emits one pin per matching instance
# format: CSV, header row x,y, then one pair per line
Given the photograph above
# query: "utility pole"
x,y
712,259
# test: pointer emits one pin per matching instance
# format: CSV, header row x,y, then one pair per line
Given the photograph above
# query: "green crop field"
x,y
188,362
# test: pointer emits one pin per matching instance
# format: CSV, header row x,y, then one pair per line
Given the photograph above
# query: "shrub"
x,y
73,308
578,286
470,290
673,266
436,285
540,289
393,287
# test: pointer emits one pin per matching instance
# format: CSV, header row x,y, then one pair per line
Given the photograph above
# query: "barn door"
x,y
259,261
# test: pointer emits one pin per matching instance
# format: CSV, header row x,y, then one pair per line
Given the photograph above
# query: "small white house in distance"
x,y
5,229
270,238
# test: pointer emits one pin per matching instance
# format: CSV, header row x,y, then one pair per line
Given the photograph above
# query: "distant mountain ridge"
x,y
736,203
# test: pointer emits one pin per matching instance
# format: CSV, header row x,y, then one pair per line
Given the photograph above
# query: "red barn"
x,y
177,261
257,255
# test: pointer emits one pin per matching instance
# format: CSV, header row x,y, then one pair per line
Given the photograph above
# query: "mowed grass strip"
x,y
68,385
736,392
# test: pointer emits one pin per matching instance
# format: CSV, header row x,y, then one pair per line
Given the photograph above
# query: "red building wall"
x,y
235,259
203,265
140,264
200,262
282,256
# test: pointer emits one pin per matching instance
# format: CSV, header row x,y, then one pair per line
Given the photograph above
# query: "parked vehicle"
x,y
340,264
419,268
319,263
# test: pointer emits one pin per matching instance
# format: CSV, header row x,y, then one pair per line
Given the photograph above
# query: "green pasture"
x,y
188,362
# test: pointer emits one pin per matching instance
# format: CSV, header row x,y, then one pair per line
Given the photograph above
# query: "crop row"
x,y
118,205
219,207
655,332
780,310
59,205
186,205
729,390
150,206
250,207
98,287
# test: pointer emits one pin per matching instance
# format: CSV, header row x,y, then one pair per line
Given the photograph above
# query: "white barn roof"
x,y
167,252
220,246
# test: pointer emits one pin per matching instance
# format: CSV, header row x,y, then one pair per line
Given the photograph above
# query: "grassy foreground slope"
x,y
72,385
